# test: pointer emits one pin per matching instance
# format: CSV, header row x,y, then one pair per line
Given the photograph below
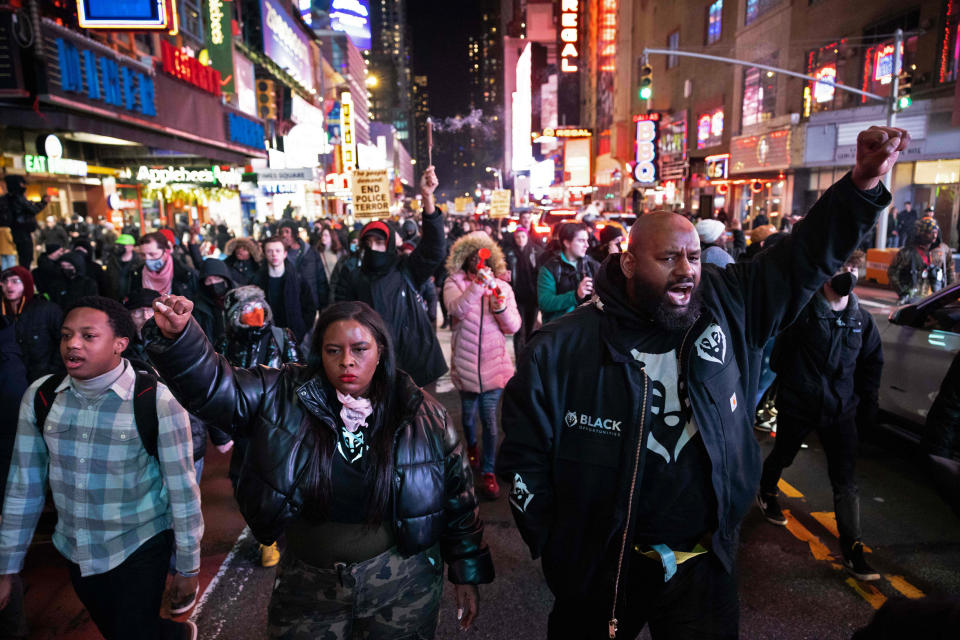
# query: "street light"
x,y
372,81
497,173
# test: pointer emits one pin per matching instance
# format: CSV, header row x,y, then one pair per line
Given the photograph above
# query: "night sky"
x,y
440,29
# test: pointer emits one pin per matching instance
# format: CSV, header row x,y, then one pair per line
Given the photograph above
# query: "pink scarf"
x,y
355,411
160,281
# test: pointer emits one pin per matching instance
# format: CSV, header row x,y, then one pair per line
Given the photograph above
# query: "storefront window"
x,y
826,63
759,94
878,71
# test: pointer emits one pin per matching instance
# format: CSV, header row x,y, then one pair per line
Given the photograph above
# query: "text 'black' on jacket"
x,y
571,487
433,485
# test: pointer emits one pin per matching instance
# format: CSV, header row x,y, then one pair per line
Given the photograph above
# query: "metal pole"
x,y
747,63
892,107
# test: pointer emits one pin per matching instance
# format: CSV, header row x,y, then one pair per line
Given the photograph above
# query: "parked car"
x,y
920,341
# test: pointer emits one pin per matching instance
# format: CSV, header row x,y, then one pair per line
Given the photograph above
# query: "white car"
x,y
920,341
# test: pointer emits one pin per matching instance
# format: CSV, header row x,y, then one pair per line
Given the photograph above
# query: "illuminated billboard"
x,y
576,162
352,17
127,14
285,43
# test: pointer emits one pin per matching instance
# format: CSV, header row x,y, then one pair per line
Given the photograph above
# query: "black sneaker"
x,y
856,565
770,508
185,604
189,630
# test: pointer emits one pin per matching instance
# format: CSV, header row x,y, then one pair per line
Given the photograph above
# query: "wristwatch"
x,y
189,574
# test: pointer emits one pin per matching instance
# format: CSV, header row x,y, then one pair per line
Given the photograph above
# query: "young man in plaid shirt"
x,y
121,509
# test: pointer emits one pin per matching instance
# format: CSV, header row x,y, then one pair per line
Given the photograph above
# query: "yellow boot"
x,y
269,556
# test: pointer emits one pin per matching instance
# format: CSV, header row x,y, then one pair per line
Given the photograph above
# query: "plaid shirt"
x,y
111,495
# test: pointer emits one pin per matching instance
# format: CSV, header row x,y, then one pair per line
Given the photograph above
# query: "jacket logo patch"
x,y
606,426
520,496
733,402
712,344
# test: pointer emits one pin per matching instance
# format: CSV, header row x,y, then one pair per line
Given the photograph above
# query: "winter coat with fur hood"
x,y
479,359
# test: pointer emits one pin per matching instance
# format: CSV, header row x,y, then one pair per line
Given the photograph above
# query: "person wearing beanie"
x,y
390,284
712,246
610,238
924,265
36,321
119,266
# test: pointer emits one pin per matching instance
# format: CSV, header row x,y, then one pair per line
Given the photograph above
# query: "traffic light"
x,y
903,90
266,99
646,82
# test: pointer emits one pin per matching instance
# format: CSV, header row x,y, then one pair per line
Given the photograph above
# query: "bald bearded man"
x,y
629,443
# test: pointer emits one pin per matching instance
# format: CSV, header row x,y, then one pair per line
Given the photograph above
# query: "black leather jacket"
x,y
433,487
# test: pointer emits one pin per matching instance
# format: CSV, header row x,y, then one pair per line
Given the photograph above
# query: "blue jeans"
x,y
7,261
487,401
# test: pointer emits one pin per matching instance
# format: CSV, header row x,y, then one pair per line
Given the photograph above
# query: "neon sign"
x,y
607,51
216,17
353,18
49,164
645,171
179,64
213,175
710,128
569,35
883,67
825,92
348,148
158,15
718,166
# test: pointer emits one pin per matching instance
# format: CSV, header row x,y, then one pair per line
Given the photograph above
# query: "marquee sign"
x,y
569,35
348,146
157,15
182,66
645,171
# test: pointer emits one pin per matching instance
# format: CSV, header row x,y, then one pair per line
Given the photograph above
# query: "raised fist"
x,y
172,313
877,150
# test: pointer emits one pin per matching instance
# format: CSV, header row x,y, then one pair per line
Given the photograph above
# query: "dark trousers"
x,y
25,253
528,321
125,602
839,440
699,602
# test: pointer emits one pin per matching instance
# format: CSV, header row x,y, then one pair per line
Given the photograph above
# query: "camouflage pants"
x,y
388,596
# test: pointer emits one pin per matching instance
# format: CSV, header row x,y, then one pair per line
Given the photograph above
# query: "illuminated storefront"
x,y
758,179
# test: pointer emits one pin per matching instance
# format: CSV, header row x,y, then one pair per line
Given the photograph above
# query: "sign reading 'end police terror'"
x,y
371,193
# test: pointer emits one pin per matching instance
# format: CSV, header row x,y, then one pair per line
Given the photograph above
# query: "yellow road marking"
x,y
788,490
868,592
801,533
828,520
904,587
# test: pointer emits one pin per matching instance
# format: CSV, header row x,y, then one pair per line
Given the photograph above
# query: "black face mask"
x,y
843,283
217,289
376,261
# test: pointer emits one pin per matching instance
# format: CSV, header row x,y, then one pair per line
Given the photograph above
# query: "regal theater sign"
x,y
569,35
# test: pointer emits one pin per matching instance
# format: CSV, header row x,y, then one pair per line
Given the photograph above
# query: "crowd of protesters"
x,y
307,349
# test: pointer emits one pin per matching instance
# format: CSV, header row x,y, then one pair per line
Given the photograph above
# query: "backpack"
x,y
144,407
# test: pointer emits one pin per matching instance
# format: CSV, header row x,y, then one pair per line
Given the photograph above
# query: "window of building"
x,y
673,42
714,16
756,8
710,128
191,22
759,94
827,63
144,43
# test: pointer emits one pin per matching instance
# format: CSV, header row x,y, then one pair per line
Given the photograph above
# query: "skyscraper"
x,y
390,62
421,111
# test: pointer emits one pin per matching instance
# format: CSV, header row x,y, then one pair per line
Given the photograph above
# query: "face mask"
x,y
217,289
843,283
155,265
374,261
354,246
253,318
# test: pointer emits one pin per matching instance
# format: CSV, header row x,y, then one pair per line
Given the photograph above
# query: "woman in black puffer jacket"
x,y
357,466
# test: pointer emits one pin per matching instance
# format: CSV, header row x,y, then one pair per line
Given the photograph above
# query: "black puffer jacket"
x,y
69,290
433,486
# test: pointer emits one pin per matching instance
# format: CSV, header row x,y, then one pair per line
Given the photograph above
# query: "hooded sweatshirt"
x,y
68,290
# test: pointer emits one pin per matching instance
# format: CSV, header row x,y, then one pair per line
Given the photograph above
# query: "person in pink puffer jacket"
x,y
483,312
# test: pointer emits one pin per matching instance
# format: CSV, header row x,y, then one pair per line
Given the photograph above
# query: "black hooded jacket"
x,y
17,212
207,309
433,487
66,291
390,285
576,415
